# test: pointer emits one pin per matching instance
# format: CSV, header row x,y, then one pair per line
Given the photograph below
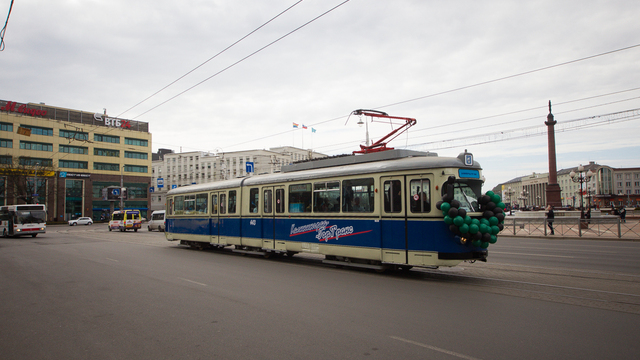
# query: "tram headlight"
x,y
463,240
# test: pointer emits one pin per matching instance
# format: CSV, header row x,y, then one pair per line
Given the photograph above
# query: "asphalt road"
x,y
86,293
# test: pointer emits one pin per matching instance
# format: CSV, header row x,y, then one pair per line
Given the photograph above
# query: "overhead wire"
x,y
211,58
244,58
4,28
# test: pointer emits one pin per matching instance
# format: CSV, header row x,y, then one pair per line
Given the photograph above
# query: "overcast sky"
x,y
449,64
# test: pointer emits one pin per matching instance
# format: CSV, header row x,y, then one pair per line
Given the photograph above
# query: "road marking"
x,y
462,356
510,253
112,260
193,282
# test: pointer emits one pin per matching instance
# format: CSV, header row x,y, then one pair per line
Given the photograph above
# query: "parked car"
x,y
81,221
157,221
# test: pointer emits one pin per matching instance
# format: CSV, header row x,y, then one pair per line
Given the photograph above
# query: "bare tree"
x,y
21,180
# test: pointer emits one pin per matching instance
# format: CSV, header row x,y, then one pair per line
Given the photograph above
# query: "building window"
x,y
6,143
106,166
136,155
106,152
137,142
38,130
27,145
6,126
4,159
77,135
135,168
106,138
73,164
74,149
35,161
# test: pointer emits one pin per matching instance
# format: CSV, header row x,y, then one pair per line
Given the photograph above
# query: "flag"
x,y
304,126
313,130
295,126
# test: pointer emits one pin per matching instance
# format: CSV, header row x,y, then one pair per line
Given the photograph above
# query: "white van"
x,y
156,222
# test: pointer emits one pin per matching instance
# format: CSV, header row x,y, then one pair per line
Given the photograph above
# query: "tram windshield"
x,y
467,193
31,217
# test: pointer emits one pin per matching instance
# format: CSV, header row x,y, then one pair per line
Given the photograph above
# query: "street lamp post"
x,y
35,185
581,177
523,197
510,192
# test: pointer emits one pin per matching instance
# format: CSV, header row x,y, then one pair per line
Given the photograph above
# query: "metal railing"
x,y
605,227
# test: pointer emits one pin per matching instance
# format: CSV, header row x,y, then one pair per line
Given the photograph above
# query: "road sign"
x,y
160,183
249,166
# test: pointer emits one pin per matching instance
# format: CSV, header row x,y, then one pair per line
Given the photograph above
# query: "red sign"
x,y
23,109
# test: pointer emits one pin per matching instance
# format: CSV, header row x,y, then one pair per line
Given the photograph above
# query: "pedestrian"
x,y
623,214
550,217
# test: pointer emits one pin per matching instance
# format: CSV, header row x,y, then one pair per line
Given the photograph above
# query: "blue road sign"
x,y
249,166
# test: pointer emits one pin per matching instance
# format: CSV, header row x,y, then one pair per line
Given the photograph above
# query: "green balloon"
x,y
493,221
493,239
495,198
484,228
490,193
501,205
476,243
495,230
473,229
484,221
464,228
458,221
448,220
468,220
484,245
475,221
445,207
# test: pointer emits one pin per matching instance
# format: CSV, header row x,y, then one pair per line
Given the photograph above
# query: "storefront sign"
x,y
64,174
125,124
22,109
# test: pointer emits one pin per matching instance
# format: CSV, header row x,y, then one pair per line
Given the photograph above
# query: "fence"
x,y
605,227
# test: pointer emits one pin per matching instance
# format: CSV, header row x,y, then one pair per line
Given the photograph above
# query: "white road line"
x,y
462,356
193,282
114,260
510,253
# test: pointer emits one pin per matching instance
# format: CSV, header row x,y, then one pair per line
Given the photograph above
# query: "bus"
x,y
18,220
125,220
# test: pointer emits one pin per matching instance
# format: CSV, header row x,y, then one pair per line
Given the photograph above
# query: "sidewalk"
x,y
573,228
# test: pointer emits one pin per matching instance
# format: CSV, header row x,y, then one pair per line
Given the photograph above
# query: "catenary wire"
x,y
244,58
4,28
211,58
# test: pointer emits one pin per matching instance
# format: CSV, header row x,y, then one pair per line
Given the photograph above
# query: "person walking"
x,y
550,217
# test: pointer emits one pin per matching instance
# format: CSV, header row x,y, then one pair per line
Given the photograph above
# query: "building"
x,y
171,170
64,158
626,187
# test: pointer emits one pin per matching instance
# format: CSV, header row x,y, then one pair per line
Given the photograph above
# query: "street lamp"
x,y
509,193
523,197
35,185
581,177
366,124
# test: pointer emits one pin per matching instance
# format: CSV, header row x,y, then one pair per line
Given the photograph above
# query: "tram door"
x,y
393,220
273,205
420,228
218,215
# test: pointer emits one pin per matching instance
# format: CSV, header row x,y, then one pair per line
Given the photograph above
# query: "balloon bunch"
x,y
480,232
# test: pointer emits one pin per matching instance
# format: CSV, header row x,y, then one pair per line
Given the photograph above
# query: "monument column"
x,y
553,189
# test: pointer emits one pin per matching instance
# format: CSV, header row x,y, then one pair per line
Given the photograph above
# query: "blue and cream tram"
x,y
375,210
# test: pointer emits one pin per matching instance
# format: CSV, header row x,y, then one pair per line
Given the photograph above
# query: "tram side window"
x,y
268,201
392,196
300,198
280,201
170,206
420,196
189,204
326,196
223,202
232,202
214,204
201,203
358,195
179,205
254,200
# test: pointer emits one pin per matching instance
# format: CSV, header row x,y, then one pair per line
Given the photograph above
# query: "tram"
x,y
376,210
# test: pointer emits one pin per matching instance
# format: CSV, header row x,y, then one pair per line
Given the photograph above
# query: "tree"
x,y
18,179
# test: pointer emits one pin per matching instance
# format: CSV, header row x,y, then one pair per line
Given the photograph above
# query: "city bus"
x,y
28,219
125,220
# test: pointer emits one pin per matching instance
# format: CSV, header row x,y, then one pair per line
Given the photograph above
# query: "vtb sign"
x,y
125,124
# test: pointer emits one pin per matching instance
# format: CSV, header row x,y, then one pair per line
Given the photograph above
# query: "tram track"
x,y
608,291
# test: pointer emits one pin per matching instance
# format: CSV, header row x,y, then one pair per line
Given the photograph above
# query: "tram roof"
x,y
400,161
